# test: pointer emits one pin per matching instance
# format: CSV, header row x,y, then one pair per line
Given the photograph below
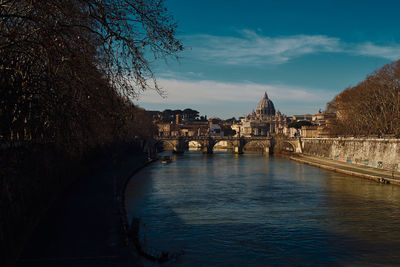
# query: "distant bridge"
x,y
207,143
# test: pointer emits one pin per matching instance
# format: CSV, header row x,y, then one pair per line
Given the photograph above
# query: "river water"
x,y
230,210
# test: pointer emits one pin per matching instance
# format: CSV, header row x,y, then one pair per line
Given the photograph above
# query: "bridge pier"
x,y
299,148
179,146
178,151
238,149
208,145
207,150
267,151
238,146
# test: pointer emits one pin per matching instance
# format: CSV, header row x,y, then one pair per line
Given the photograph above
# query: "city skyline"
x,y
301,54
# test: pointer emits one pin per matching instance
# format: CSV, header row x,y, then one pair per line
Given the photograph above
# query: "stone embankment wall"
x,y
373,152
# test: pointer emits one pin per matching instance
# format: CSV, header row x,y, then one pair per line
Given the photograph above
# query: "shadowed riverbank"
x,y
85,226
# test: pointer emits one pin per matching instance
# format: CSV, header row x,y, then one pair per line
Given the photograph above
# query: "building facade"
x,y
263,121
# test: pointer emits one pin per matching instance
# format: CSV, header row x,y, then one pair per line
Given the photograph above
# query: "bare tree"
x,y
66,66
373,106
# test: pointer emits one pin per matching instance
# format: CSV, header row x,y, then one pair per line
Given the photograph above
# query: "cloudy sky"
x,y
302,53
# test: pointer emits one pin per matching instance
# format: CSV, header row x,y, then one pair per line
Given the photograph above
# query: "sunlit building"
x,y
264,120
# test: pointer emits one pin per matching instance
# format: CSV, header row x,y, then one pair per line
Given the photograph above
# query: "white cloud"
x,y
225,100
206,91
180,75
370,49
252,48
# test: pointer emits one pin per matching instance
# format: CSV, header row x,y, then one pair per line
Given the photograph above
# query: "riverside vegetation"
x,y
372,107
69,71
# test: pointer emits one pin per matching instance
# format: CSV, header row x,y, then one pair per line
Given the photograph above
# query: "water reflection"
x,y
252,209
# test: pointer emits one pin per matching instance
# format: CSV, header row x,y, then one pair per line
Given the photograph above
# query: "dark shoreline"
x,y
87,225
126,227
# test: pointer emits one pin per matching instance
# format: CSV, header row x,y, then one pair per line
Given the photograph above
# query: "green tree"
x,y
231,120
298,124
190,114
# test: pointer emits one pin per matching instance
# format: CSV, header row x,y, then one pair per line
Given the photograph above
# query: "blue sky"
x,y
302,53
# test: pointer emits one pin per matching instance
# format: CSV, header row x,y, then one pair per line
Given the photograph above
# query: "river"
x,y
239,210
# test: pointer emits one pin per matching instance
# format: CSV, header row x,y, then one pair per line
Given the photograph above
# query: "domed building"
x,y
265,107
264,121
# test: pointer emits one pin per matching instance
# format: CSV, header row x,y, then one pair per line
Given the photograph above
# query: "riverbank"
x,y
378,175
87,225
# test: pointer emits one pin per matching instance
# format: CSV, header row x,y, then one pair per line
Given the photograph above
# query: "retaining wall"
x,y
373,152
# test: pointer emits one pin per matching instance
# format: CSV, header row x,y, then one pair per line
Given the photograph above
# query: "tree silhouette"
x,y
68,69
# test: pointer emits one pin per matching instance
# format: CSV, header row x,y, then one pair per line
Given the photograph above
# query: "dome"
x,y
265,106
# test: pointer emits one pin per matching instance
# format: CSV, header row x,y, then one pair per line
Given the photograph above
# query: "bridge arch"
x,y
288,146
194,145
230,144
165,145
255,145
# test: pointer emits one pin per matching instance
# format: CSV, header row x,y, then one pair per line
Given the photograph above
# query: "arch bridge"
x,y
293,145
207,143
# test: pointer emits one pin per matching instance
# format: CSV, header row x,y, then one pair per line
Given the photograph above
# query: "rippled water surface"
x,y
229,210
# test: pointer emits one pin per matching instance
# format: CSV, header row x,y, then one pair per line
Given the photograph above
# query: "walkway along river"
x,y
223,209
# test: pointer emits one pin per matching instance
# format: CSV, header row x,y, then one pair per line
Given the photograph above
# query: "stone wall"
x,y
373,152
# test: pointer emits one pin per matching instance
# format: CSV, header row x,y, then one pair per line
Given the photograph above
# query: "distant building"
x,y
264,121
292,132
310,131
167,129
215,128
178,119
323,124
305,117
236,128
323,118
